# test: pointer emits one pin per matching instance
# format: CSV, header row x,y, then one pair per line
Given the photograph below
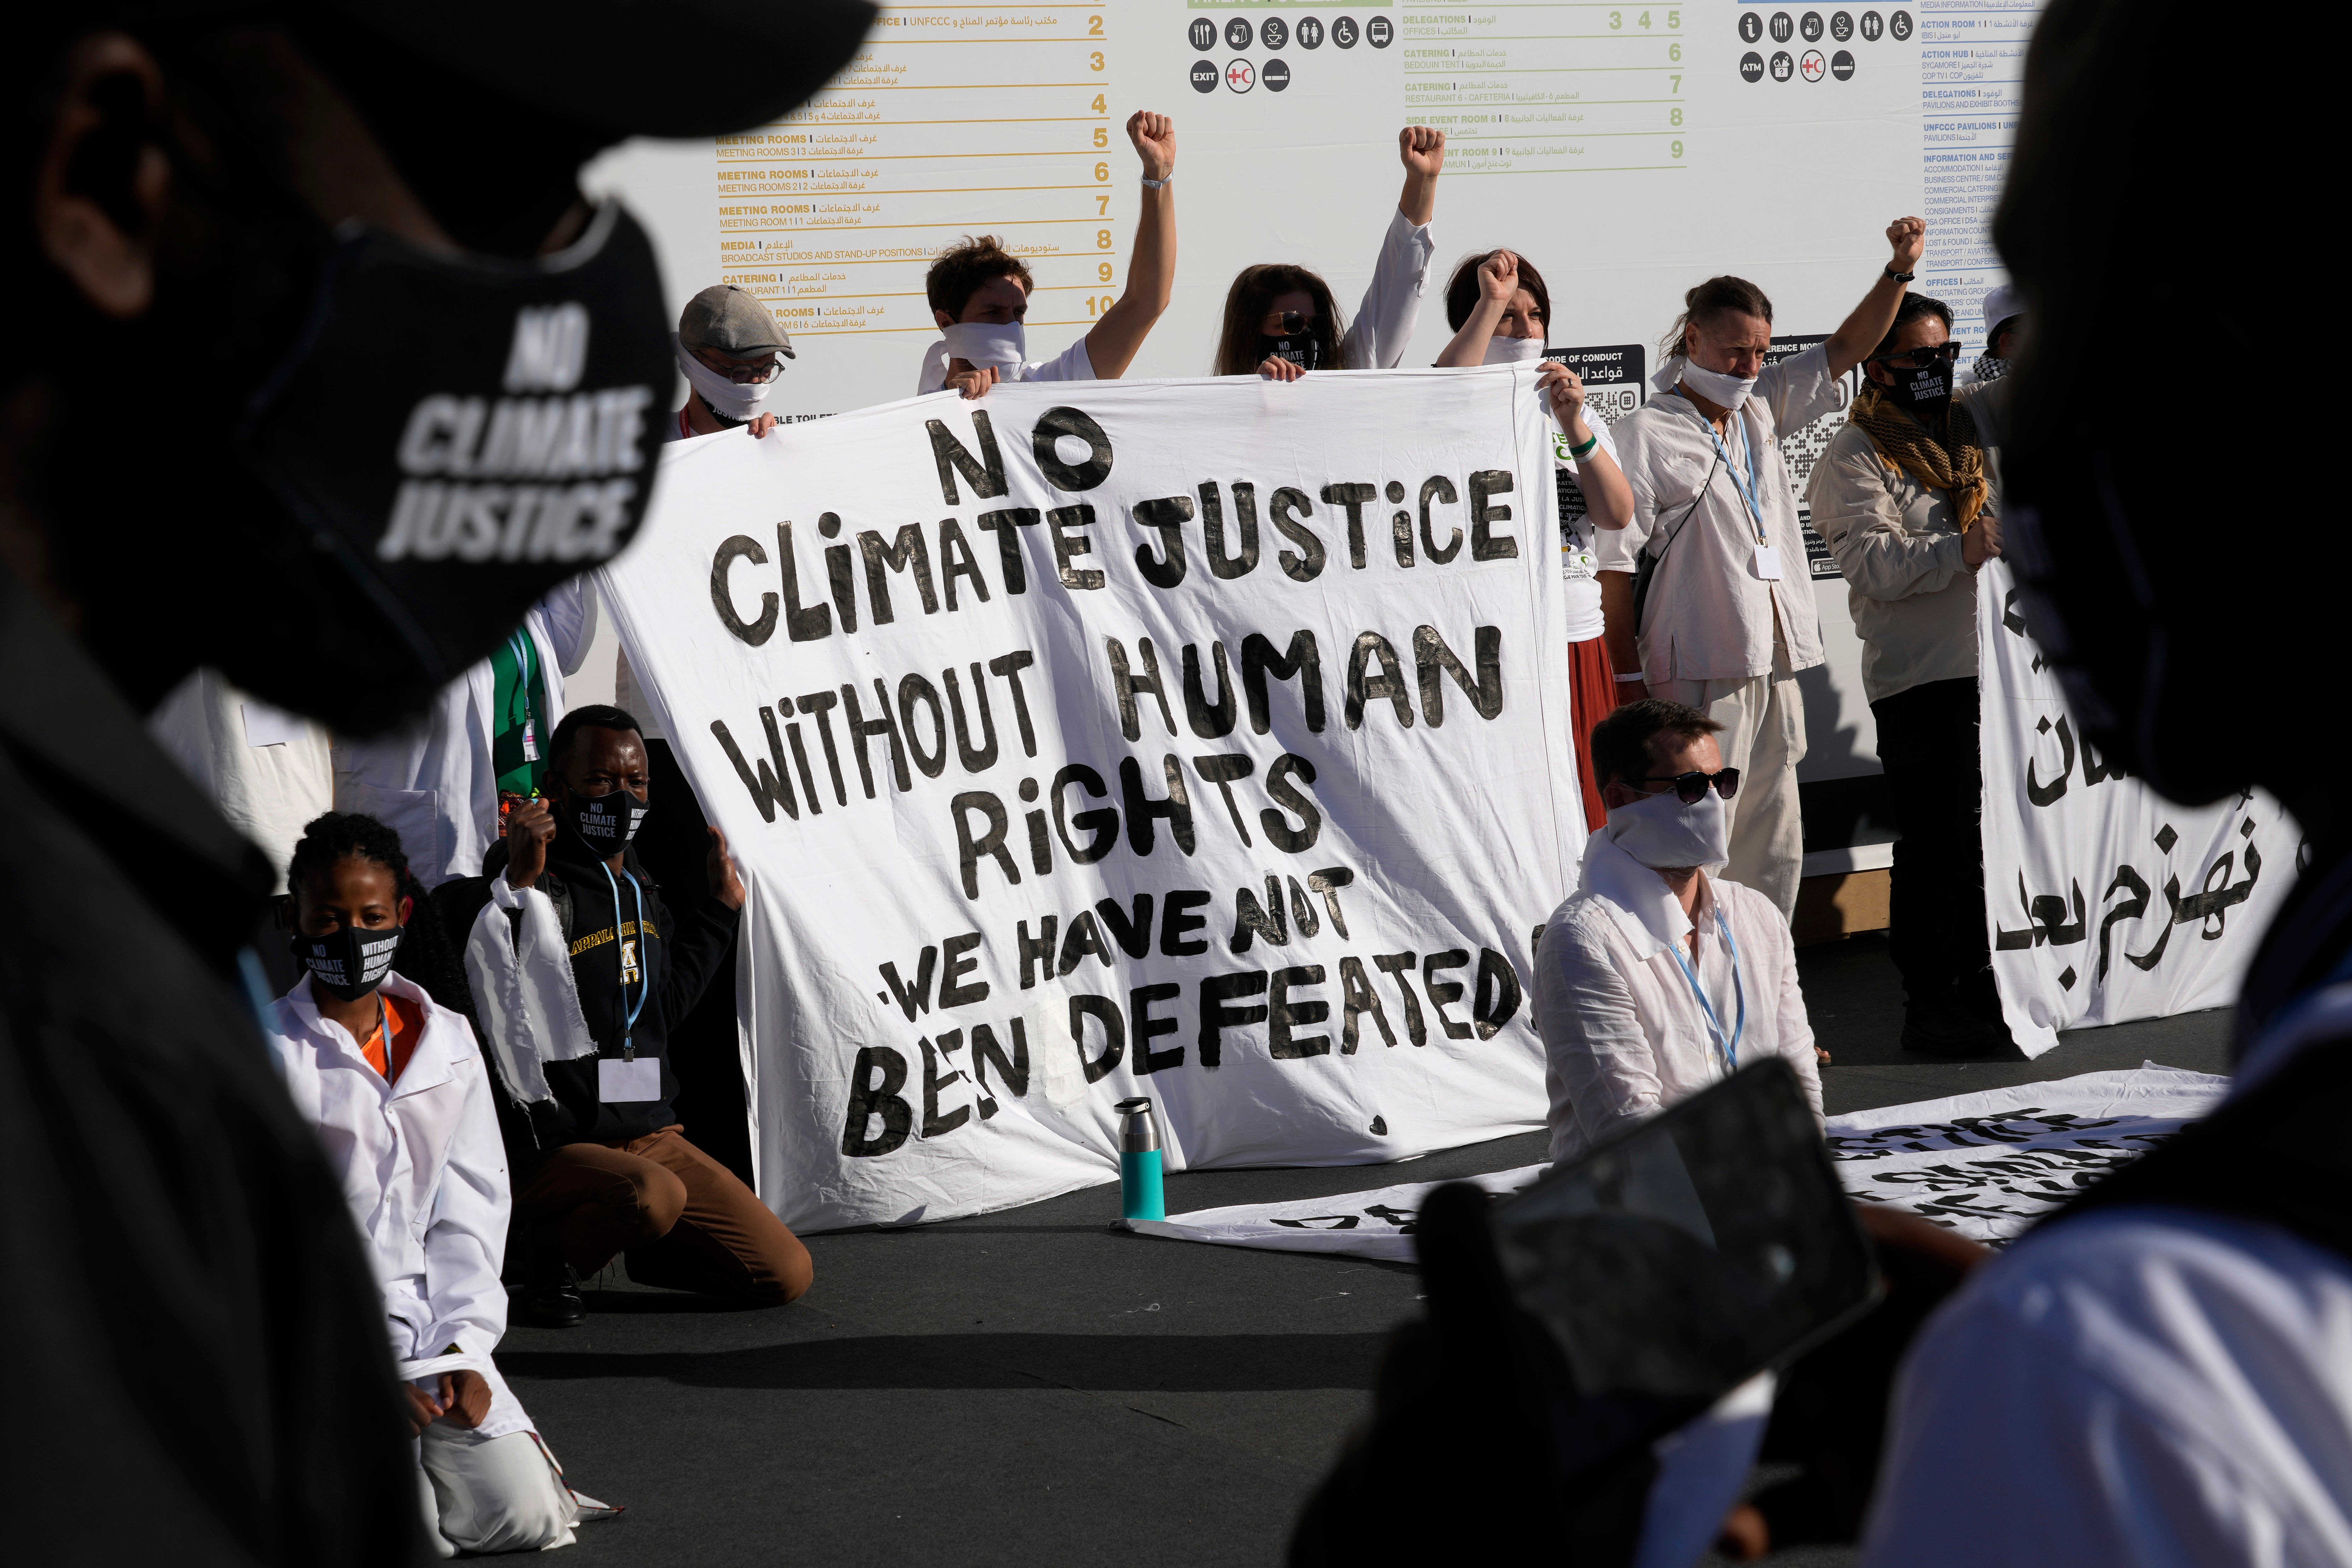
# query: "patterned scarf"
x,y
1955,464
1988,368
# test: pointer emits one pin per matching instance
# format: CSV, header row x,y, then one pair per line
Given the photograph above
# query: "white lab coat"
x,y
432,780
269,771
424,1173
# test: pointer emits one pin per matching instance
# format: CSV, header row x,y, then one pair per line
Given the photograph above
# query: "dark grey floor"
x,y
1030,1388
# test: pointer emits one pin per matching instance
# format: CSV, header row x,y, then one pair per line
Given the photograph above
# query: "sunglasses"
x,y
1293,323
1691,788
1917,359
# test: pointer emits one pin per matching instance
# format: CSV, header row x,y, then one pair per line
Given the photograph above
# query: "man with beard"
x,y
297,219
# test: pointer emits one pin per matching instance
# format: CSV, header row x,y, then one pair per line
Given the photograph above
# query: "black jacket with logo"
x,y
673,961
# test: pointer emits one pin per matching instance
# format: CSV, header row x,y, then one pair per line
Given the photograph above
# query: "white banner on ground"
x,y
2105,901
1207,739
1985,1165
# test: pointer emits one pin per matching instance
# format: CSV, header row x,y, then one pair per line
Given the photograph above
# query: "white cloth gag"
x,y
1718,387
1623,1034
1501,349
983,343
1660,832
729,398
433,781
1070,364
520,972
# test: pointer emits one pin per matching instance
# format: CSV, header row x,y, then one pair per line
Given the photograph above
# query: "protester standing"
x,y
732,351
1908,498
436,780
1727,618
2004,316
979,293
1281,321
270,772
1500,310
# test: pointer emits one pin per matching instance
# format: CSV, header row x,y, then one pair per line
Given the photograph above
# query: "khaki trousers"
x,y
1763,720
682,1218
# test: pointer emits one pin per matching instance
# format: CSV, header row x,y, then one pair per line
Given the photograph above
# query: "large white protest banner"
x,y
1988,1164
2105,901
1207,739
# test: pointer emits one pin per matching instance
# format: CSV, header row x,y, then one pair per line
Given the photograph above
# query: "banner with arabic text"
x,y
2107,901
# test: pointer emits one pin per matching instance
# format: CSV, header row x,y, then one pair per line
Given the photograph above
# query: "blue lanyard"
x,y
1754,483
1730,1050
644,958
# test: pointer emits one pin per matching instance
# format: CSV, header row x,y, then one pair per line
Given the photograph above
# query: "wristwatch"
x,y
1900,277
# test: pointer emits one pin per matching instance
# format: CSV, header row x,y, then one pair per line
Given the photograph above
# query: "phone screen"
x,y
1694,1252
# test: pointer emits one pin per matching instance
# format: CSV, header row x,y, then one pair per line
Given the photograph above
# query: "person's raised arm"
x,y
1498,279
1113,344
1860,332
1424,152
1608,498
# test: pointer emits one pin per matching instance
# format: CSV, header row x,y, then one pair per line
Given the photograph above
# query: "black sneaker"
x,y
1941,1029
550,1297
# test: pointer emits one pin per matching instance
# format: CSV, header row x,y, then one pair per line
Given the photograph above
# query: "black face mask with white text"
x,y
605,823
1305,350
349,962
1926,391
461,434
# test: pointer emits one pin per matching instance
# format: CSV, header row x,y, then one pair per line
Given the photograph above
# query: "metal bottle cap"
x,y
1139,1128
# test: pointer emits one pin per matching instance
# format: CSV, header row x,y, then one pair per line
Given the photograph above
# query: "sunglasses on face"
x,y
1291,323
1917,359
1691,788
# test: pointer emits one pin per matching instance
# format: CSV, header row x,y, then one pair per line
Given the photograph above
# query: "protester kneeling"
x,y
578,971
1654,979
397,1088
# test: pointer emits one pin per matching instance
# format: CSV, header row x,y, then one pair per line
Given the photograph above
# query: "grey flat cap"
x,y
734,321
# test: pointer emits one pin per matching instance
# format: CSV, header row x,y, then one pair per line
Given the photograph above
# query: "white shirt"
x,y
2138,1387
1709,616
1391,308
269,771
422,1171
1071,364
1623,1034
1577,558
432,780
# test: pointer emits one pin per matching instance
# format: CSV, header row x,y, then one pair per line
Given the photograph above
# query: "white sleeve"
x,y
466,1245
1592,1035
1073,363
1800,389
568,614
2000,1431
523,989
1384,321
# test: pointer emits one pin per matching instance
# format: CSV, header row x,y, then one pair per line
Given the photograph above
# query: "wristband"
x,y
1581,453
1629,679
1156,185
1895,277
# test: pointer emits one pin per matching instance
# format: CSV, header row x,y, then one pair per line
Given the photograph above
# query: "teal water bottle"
x,y
1139,1194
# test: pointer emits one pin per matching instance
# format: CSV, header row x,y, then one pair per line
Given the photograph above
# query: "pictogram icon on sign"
x,y
1811,27
1751,26
1783,67
1237,32
1871,26
1812,67
1204,76
1377,32
1241,76
1310,32
1274,32
1899,25
1276,74
1842,66
1784,26
1751,67
1201,34
1343,32
1840,26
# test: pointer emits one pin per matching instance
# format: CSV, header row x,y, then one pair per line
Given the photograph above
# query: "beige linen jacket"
x,y
1709,616
1898,544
